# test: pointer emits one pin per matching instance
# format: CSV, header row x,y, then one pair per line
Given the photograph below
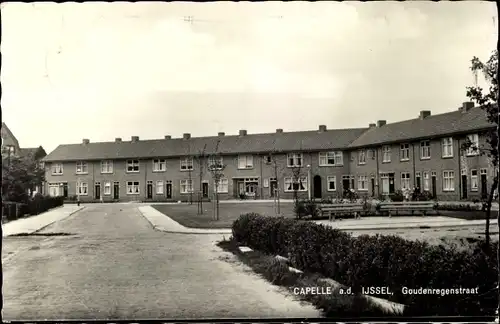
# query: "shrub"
x,y
378,261
299,208
350,195
397,196
40,204
458,207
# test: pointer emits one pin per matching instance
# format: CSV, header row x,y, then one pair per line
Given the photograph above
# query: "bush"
x,y
299,208
40,204
378,261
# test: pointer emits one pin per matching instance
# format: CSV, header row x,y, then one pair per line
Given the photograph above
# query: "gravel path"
x,y
115,266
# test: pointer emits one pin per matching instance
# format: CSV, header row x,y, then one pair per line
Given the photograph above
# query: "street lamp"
x,y
309,181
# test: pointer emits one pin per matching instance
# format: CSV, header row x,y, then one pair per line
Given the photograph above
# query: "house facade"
x,y
425,152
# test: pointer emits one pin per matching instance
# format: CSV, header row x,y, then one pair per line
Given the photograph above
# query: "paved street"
x,y
113,265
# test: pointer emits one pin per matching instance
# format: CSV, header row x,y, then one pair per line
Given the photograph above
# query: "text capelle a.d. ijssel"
x,y
327,290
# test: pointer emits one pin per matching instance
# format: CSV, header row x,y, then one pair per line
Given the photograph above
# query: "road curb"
x,y
43,227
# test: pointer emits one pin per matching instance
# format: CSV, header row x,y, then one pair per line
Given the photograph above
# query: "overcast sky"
x,y
106,70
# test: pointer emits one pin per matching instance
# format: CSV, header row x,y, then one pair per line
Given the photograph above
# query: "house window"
x,y
245,162
447,146
54,189
405,152
215,162
292,184
386,150
187,163
268,159
405,180
425,150
186,186
448,181
159,165
82,188
332,183
362,183
133,166
426,181
222,187
159,187
57,168
81,167
331,158
132,187
473,149
106,166
294,160
107,188
362,157
474,184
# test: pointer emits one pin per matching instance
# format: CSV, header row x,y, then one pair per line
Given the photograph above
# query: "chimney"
x,y
381,123
424,114
466,106
243,132
186,136
222,134
168,137
372,125
85,141
279,130
135,139
118,139
322,128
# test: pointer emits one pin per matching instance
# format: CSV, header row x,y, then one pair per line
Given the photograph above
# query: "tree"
x,y
20,175
277,173
216,168
201,160
488,101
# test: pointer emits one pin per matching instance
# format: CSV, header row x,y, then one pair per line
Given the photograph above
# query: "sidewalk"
x,y
402,222
162,222
33,224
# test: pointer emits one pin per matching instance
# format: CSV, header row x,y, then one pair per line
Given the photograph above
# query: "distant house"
x,y
10,148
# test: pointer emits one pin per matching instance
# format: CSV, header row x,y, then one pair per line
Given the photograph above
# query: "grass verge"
x,y
333,304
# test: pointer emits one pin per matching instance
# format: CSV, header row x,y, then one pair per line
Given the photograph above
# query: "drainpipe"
x,y
145,179
414,172
377,175
261,179
459,170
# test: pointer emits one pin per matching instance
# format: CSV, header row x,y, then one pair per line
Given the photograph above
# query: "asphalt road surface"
x,y
111,264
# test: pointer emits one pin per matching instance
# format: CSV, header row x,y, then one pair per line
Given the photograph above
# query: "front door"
x,y
65,190
345,184
373,187
418,184
392,188
149,190
434,189
241,188
204,189
464,186
169,190
317,186
273,185
97,191
116,190
484,187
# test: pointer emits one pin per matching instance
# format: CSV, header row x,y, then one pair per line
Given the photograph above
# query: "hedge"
x,y
377,260
40,204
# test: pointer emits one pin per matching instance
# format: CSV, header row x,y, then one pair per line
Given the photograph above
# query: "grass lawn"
x,y
187,215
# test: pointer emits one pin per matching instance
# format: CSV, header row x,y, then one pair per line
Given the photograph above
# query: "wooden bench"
x,y
407,206
341,209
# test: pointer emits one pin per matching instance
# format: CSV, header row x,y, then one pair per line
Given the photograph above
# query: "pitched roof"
x,y
450,123
251,143
34,152
10,136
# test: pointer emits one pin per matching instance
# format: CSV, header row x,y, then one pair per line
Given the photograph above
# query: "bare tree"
x,y
216,168
277,172
201,160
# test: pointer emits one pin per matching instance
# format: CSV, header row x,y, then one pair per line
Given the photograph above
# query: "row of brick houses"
x,y
424,152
